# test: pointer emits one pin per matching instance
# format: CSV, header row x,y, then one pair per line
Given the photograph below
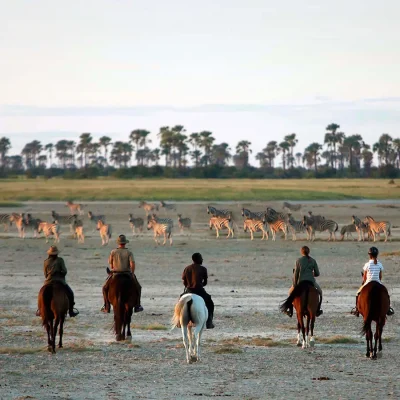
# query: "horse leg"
x,y
128,323
298,333
61,331
52,346
367,334
185,341
380,339
191,344
312,340
48,329
303,331
307,332
375,341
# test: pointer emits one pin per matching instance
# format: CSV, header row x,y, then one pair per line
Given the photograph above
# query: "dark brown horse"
x,y
305,299
373,304
53,306
122,297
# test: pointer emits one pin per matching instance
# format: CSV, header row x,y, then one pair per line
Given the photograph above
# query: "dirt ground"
x,y
251,354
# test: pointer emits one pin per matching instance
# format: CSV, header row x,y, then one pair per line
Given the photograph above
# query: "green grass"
x,y
12,191
338,339
10,204
151,327
253,341
228,350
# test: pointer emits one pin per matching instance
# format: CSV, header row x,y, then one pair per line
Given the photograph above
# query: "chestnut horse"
x,y
53,305
122,297
373,304
305,299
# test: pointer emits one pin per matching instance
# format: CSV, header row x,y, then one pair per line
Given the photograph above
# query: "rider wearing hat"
x,y
372,271
306,269
121,261
54,271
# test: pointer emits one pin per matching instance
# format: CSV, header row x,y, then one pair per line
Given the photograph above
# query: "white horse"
x,y
192,314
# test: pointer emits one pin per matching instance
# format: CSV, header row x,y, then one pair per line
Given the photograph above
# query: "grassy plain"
x,y
197,189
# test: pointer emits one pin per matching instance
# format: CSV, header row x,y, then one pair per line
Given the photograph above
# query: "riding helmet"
x,y
373,251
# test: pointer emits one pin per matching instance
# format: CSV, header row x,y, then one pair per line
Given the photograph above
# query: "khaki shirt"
x,y
120,260
306,269
54,270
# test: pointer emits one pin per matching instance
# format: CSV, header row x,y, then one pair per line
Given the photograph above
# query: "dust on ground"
x,y
251,354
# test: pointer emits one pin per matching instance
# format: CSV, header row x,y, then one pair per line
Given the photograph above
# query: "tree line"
x,y
180,154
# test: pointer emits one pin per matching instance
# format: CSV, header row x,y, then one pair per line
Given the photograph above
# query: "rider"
x,y
194,279
306,269
55,271
372,272
121,261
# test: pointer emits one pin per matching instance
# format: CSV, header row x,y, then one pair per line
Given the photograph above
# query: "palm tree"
x,y
396,145
62,152
292,140
311,153
155,156
166,139
367,157
384,148
271,151
331,140
299,157
84,144
353,143
5,146
104,142
261,157
42,159
50,148
242,153
220,154
284,147
206,143
195,141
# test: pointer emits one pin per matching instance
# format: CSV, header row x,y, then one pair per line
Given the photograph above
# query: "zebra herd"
x,y
267,222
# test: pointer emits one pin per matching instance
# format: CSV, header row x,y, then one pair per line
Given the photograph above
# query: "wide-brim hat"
x,y
52,251
121,239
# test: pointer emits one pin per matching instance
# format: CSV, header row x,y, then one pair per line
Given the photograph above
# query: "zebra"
x,y
6,221
255,225
136,223
291,207
312,225
49,230
19,220
166,206
256,215
160,228
95,218
220,223
65,219
276,225
377,227
184,222
105,232
218,213
347,230
148,207
32,223
317,218
74,208
154,217
295,226
362,228
272,216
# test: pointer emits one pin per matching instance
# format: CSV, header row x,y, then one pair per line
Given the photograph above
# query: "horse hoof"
x,y
60,346
374,357
118,338
298,344
49,349
367,355
193,359
128,339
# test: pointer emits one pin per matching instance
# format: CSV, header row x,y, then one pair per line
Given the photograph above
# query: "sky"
x,y
254,70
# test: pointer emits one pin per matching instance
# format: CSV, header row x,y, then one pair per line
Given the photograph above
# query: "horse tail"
x,y
45,299
178,309
371,309
297,291
119,315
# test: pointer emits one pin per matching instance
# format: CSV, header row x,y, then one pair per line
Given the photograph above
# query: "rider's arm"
x,y
132,263
110,260
63,268
365,276
205,277
316,269
184,279
380,275
296,274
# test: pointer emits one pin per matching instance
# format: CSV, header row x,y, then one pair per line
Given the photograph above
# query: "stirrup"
x,y
319,313
104,309
138,309
210,325
390,311
38,313
74,313
354,311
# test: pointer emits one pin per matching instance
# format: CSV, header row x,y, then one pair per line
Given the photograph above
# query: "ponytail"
x,y
305,251
375,261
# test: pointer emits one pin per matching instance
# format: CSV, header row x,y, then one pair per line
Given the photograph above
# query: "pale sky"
x,y
254,69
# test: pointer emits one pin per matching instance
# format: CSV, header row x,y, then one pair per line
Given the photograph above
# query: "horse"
x,y
53,306
192,314
305,299
373,304
122,298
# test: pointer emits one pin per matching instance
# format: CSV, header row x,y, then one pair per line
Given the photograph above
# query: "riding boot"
x,y
289,311
355,311
209,323
319,311
107,306
138,289
70,294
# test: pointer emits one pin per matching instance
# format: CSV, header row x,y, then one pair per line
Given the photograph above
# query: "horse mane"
x,y
297,291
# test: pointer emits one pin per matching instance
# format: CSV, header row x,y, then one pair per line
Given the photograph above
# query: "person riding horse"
x,y
121,261
306,269
54,271
194,279
372,271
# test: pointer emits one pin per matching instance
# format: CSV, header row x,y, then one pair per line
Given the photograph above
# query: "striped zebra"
x,y
65,220
218,213
295,226
94,218
313,225
291,207
184,222
362,228
165,206
156,218
105,232
159,229
31,222
255,225
219,223
148,207
19,220
377,227
272,215
256,215
136,223
276,226
75,208
5,220
317,218
347,230
50,230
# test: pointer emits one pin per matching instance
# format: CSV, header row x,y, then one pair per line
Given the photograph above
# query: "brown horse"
x,y
122,297
305,299
53,306
373,304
